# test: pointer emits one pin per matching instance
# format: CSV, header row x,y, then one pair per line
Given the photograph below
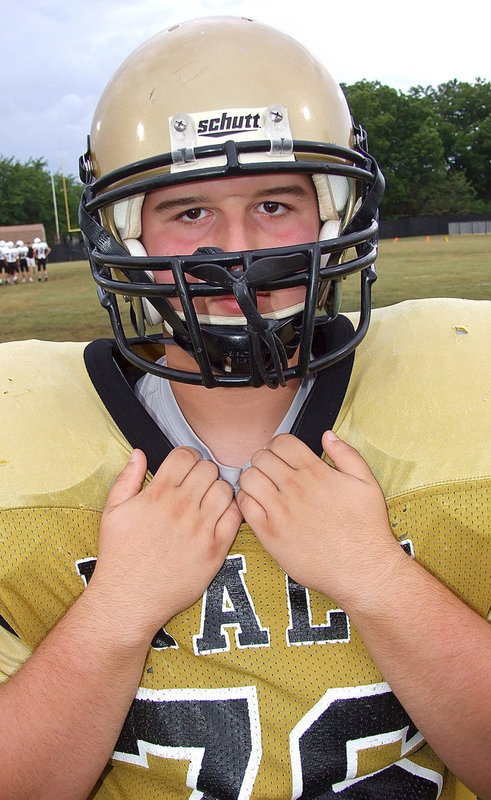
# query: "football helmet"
x,y
213,98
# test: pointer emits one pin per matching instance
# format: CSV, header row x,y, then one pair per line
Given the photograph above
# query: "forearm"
x,y
435,653
63,711
159,548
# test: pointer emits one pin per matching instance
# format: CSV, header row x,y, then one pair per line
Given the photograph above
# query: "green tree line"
x,y
26,196
433,146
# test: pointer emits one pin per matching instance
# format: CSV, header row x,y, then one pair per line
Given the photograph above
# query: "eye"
x,y
272,208
193,214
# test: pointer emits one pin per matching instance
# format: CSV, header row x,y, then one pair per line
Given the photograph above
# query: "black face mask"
x,y
258,351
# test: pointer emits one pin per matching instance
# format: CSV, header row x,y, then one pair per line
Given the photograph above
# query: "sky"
x,y
58,55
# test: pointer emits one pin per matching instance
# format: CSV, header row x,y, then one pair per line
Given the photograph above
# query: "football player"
x,y
24,268
3,264
250,611
11,260
41,252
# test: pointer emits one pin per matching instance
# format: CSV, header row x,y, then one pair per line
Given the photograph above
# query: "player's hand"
x,y
161,546
327,527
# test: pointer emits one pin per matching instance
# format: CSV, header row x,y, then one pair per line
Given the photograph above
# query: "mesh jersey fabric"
x,y
262,689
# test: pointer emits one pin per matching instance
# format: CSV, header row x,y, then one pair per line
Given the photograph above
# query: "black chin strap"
x,y
263,338
261,330
98,237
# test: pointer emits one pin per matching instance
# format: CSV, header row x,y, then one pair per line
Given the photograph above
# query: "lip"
x,y
228,305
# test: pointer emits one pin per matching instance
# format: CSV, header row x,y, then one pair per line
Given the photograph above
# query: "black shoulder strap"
x,y
321,407
114,378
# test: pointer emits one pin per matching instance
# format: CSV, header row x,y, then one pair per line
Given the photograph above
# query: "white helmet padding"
x,y
127,218
333,194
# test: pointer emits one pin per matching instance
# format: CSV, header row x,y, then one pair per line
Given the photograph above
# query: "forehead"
x,y
256,186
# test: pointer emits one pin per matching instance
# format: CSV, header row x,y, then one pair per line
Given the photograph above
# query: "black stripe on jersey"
x,y
114,378
4,624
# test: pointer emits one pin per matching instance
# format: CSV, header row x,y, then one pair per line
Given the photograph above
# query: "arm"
x,y
347,551
63,710
439,666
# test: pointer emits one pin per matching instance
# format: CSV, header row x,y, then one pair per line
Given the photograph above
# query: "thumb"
x,y
345,458
228,525
129,481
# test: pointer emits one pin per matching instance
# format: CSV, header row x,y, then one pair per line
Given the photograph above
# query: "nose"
x,y
235,235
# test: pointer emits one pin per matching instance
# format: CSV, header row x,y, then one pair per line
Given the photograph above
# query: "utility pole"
x,y
55,207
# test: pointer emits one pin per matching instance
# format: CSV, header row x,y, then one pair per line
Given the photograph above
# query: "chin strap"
x,y
261,331
262,336
98,236
368,210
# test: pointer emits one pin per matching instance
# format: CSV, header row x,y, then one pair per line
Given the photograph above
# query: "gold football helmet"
x,y
219,97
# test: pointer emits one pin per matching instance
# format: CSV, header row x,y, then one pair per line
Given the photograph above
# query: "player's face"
x,y
233,214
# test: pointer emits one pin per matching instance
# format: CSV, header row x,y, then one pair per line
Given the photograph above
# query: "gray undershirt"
x,y
157,397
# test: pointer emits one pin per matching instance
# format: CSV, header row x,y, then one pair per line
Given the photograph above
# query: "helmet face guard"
x,y
253,349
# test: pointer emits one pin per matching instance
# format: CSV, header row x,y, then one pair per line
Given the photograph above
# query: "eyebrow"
x,y
193,200
295,189
198,200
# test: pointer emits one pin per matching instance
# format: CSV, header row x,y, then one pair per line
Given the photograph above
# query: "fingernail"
x,y
332,436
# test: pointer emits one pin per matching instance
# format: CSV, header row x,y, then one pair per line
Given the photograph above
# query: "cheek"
x,y
163,276
155,236
154,242
166,276
307,230
161,239
284,298
292,233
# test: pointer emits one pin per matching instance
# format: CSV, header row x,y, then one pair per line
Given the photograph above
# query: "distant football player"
x,y
24,269
3,269
41,252
206,591
11,260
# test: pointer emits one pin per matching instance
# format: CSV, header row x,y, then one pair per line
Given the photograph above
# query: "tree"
x,y
463,118
406,136
26,195
433,146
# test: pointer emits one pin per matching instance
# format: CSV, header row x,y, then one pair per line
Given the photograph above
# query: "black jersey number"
x,y
325,747
218,732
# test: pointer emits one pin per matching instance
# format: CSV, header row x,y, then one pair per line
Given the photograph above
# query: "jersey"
x,y
22,251
262,689
11,254
41,250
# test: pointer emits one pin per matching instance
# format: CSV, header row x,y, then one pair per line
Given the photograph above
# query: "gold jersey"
x,y
262,689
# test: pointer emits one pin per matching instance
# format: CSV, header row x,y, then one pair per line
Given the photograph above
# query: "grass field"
x,y
67,308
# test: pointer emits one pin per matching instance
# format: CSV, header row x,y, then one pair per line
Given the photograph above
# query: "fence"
x,y
435,226
478,226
